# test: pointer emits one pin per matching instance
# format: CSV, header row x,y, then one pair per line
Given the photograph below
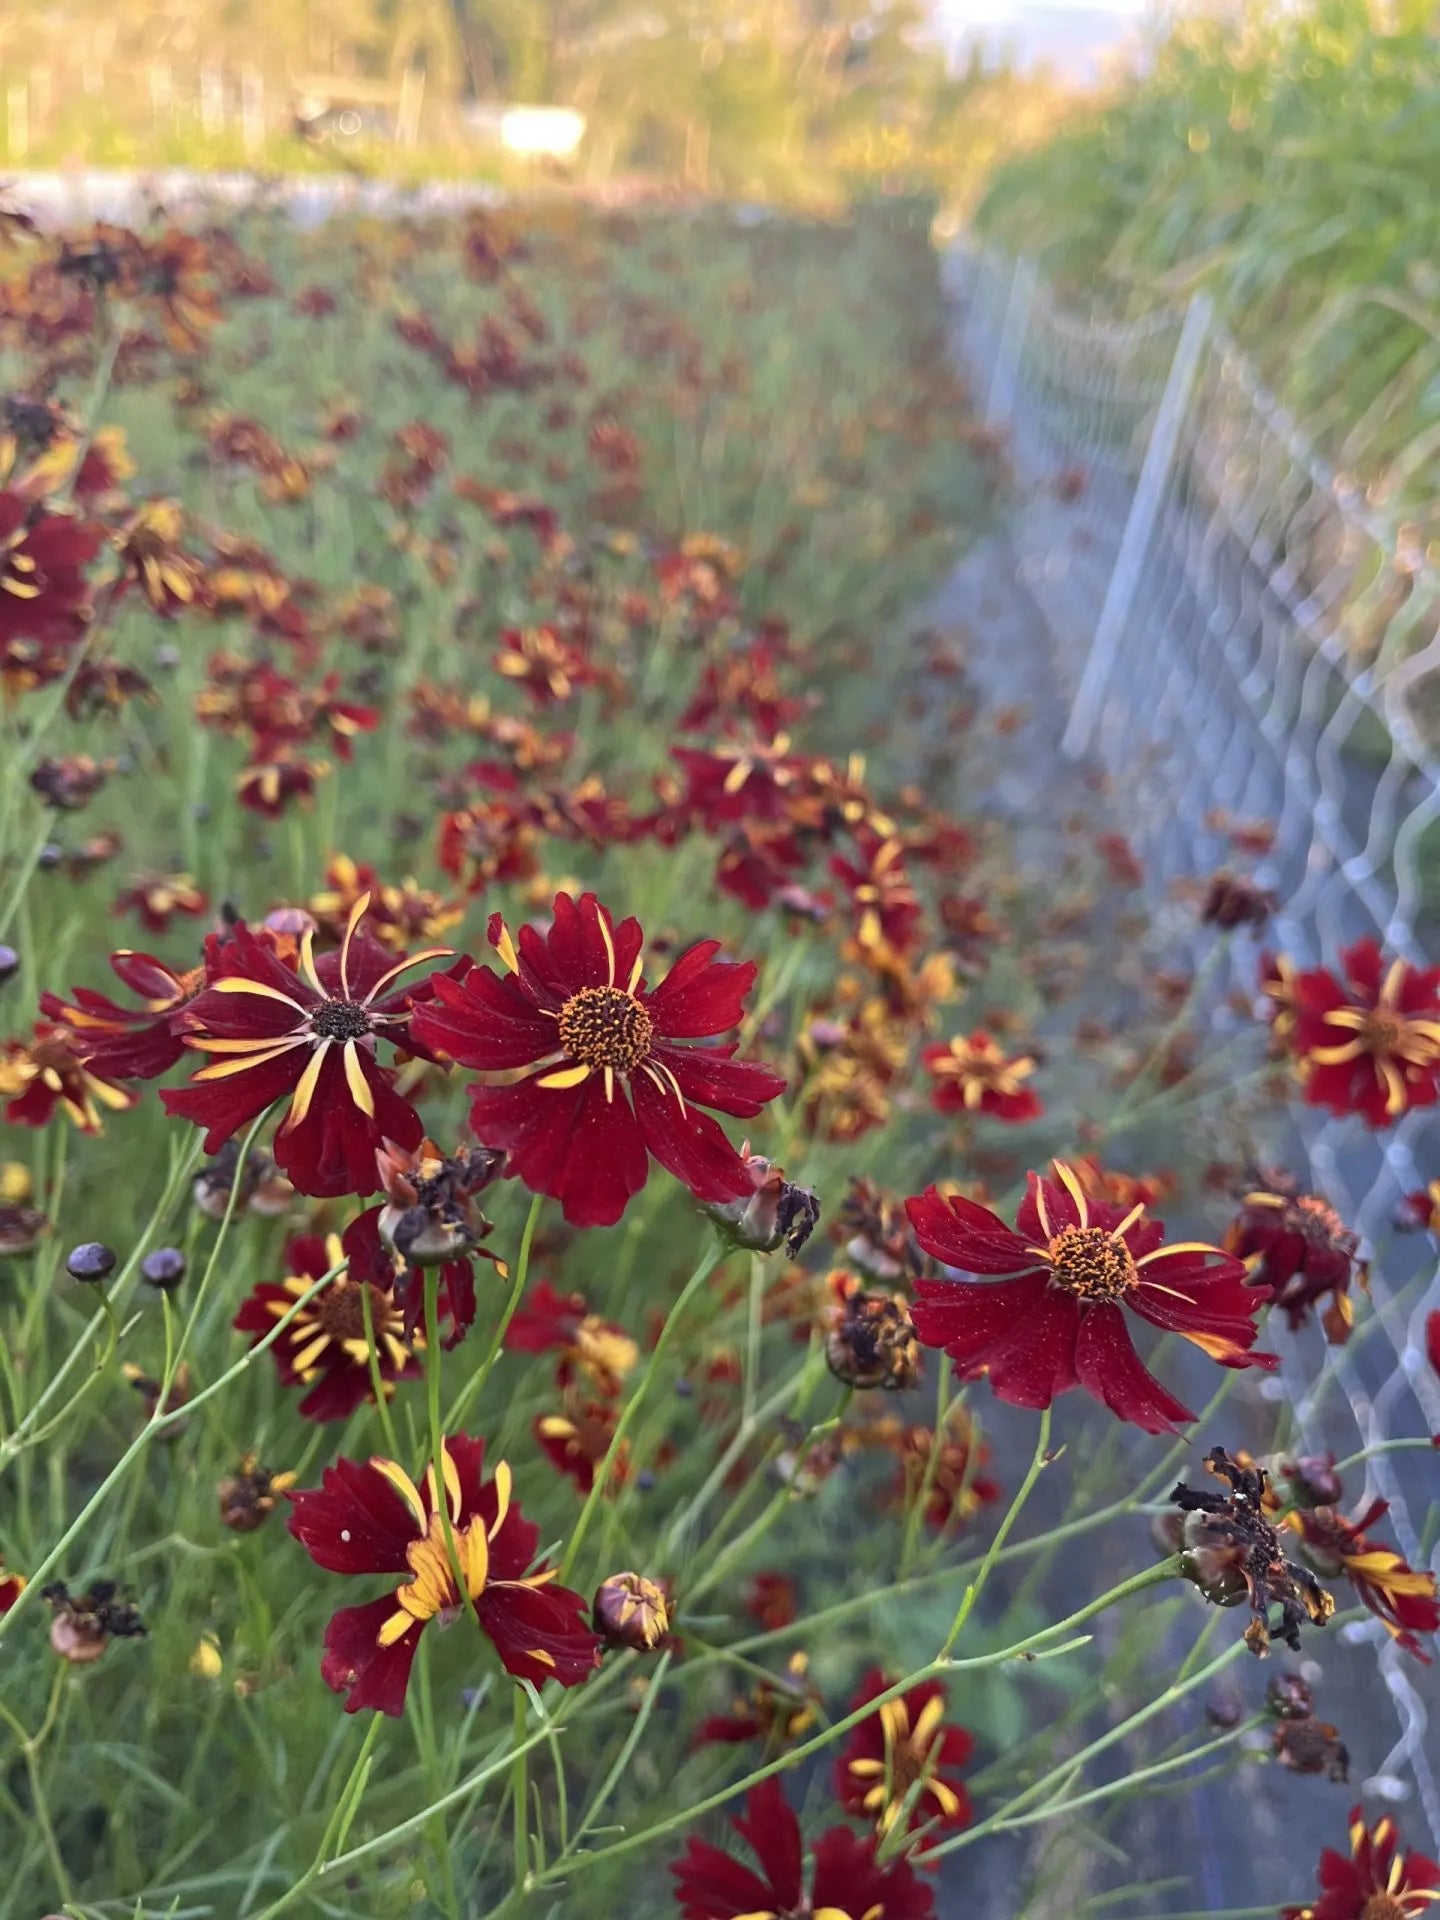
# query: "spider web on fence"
x,y
1240,633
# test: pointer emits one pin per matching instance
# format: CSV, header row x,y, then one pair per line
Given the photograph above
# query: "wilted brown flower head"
x,y
870,1340
1311,1746
263,1190
1232,900
1233,1554
250,1495
429,1215
83,1627
631,1611
875,1230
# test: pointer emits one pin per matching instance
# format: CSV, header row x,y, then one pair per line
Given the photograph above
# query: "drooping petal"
x,y
1111,1370
1038,1362
370,1675
540,1633
689,1143
572,1143
967,1318
223,1107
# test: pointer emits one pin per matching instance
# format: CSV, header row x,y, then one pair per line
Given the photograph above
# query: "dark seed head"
x,y
91,1261
9,963
164,1268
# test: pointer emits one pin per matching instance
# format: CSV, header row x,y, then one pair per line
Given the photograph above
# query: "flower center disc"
x,y
1380,1906
605,1027
1089,1263
340,1020
340,1310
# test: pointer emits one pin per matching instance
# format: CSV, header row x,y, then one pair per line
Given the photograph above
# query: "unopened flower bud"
x,y
164,1268
1309,1481
91,1262
631,1611
9,964
21,1229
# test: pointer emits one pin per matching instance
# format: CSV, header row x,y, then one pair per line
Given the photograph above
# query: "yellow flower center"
x,y
605,1027
1087,1262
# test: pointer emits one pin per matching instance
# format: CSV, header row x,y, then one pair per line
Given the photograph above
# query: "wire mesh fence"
x,y
1242,639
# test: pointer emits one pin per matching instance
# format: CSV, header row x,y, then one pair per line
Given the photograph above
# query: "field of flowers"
x,y
585,1324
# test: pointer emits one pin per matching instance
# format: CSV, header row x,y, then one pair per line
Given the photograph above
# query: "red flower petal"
x,y
769,1825
710,1885
573,1144
1037,1363
968,1236
968,1318
484,1022
354,1522
1111,1370
540,1633
355,1664
700,996
689,1144
709,1077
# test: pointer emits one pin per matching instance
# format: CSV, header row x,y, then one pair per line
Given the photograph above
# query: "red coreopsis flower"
x,y
904,1741
886,906
12,1585
1298,1246
371,1517
844,1881
1052,1318
157,897
733,782
324,1347
1377,1882
49,1071
547,1321
306,1034
973,1075
1400,1595
542,661
577,1439
612,1079
44,593
779,1709
1369,1041
129,1043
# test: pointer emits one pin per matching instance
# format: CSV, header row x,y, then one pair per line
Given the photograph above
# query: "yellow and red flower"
x,y
590,1073
1052,1318
12,1585
844,1880
1298,1246
1368,1041
306,1033
371,1518
1402,1596
1376,1882
130,1043
548,1321
50,1071
903,1742
44,591
973,1075
324,1348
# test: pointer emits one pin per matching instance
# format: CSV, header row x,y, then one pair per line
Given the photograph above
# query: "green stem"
x,y
433,1358
520,1791
160,1423
972,1592
347,1805
709,1261
474,1386
377,1380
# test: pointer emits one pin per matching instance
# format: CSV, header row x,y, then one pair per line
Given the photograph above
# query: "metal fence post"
x,y
1000,400
1139,527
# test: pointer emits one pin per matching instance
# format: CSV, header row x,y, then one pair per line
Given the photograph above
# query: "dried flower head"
x,y
870,1340
1233,1554
83,1626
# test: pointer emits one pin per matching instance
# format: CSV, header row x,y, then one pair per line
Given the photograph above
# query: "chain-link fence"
x,y
1242,640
